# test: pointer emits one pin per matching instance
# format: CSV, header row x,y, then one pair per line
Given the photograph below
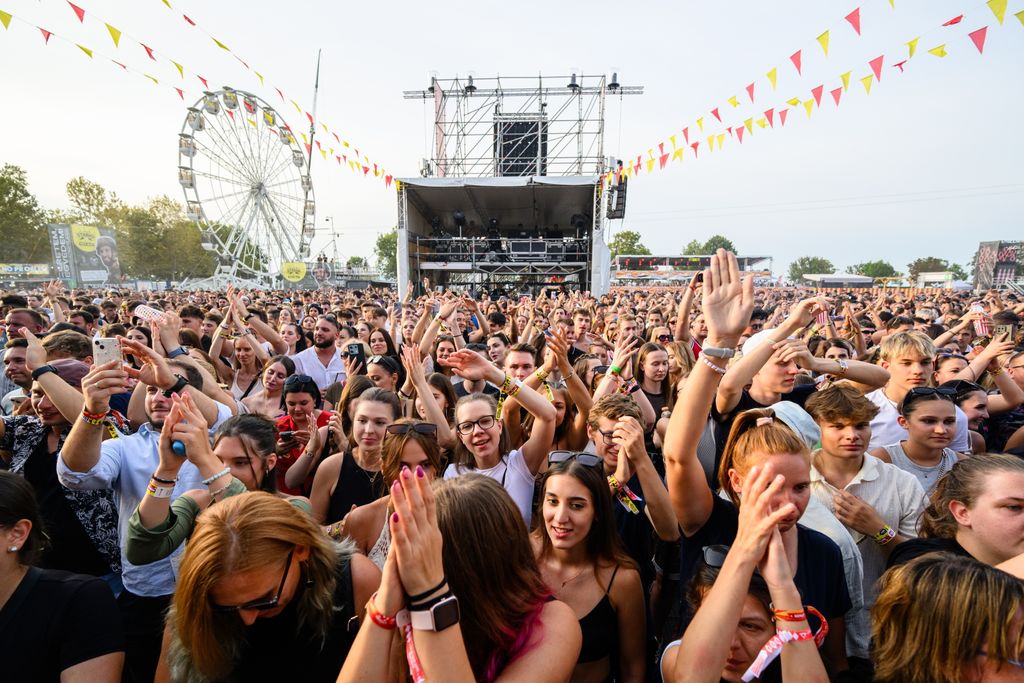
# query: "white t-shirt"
x,y
886,430
513,475
308,363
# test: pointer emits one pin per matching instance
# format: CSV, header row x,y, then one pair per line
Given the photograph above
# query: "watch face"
x,y
446,613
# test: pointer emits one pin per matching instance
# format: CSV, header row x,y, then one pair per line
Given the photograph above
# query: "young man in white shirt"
x,y
322,361
910,359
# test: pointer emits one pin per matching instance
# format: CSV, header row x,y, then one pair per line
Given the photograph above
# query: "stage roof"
x,y
544,201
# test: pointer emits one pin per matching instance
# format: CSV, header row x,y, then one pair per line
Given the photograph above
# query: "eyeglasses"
x,y
259,605
585,459
296,380
466,428
426,428
601,369
608,437
714,555
665,338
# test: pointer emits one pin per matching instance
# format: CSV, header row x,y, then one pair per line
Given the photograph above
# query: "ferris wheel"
x,y
245,183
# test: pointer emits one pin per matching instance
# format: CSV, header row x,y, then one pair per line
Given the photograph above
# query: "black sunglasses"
x,y
665,338
601,369
259,605
585,459
426,428
714,555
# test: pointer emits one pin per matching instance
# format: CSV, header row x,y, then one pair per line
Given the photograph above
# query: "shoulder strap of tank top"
x,y
505,473
612,580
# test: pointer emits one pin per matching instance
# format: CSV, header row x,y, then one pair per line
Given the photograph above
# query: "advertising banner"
x,y
84,254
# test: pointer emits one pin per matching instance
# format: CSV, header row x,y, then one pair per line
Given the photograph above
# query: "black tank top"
x,y
355,486
600,629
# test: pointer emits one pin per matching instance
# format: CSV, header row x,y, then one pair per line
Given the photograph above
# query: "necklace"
x,y
573,577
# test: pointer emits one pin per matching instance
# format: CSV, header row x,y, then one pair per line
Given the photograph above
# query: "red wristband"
x,y
379,619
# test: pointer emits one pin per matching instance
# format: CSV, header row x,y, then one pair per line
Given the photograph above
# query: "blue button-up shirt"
x,y
126,465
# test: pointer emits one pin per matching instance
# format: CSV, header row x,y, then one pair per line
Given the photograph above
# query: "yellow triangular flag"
x,y
892,4
678,154
938,51
672,139
152,79
305,140
733,101
721,139
867,83
179,67
846,80
5,19
809,105
650,165
711,143
220,44
85,50
296,105
650,152
700,124
324,126
345,142
252,122
823,41
772,75
749,125
168,4
793,101
323,153
259,76
998,8
912,46
1020,17
115,35
762,122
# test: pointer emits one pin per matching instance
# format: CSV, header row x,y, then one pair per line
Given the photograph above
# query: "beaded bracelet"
x,y
720,371
215,477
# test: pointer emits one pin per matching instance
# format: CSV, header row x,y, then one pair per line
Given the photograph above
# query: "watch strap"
x,y
716,352
178,386
176,352
438,617
42,370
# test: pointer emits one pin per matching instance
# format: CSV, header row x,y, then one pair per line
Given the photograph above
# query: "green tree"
x,y
809,264
873,269
926,264
386,252
958,272
356,262
693,248
716,242
22,221
628,242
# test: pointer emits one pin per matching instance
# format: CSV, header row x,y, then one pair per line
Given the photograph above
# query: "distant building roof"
x,y
838,277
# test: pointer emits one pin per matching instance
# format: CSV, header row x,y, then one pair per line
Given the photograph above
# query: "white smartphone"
x,y
105,349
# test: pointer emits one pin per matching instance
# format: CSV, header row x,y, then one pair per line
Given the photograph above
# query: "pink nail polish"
x,y
394,517
395,486
405,473
419,471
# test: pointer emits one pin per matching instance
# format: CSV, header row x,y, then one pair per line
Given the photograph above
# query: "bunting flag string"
x,y
877,67
366,162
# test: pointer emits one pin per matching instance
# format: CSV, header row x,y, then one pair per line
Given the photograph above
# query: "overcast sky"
x,y
928,164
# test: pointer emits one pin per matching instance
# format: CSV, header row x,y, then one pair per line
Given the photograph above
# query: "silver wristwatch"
x,y
716,352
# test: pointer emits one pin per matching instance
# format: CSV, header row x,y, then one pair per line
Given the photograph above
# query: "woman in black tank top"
x,y
352,478
583,563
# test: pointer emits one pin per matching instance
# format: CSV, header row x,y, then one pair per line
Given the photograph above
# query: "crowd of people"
x,y
704,483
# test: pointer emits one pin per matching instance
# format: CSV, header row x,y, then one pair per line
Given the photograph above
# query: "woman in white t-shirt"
x,y
483,446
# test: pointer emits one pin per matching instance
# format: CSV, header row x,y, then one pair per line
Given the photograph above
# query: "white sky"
x,y
928,164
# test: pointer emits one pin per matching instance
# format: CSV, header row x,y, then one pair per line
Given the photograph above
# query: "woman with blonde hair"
x,y
943,618
263,594
479,608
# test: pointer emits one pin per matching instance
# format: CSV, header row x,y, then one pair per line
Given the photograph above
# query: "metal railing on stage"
x,y
495,250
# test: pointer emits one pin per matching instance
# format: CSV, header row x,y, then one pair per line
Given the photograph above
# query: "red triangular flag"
x,y
181,93
854,19
899,65
663,160
739,133
750,91
782,116
205,84
770,115
715,112
387,181
310,117
795,58
318,144
661,148
280,93
336,156
954,20
242,61
695,146
730,130
119,64
817,94
79,12
345,157
46,35
336,137
366,169
836,94
978,37
149,51
876,66
686,134
185,17
230,114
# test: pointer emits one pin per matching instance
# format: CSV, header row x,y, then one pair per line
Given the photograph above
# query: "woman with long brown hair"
x,y
262,594
267,401
585,566
480,610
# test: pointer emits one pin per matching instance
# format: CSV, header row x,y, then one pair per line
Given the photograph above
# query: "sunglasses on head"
x,y
259,605
945,393
425,428
295,380
585,459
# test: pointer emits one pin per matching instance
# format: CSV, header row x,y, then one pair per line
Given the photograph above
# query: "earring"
x,y
13,549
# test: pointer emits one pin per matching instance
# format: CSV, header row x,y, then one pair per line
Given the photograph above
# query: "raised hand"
x,y
472,366
412,363
727,302
804,312
102,382
415,532
757,519
191,429
155,371
35,354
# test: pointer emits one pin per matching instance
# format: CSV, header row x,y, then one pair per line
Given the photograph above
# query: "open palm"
x,y
728,301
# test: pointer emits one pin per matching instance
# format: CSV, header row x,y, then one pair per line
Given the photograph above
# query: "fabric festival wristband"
x,y
381,620
411,656
159,491
772,649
